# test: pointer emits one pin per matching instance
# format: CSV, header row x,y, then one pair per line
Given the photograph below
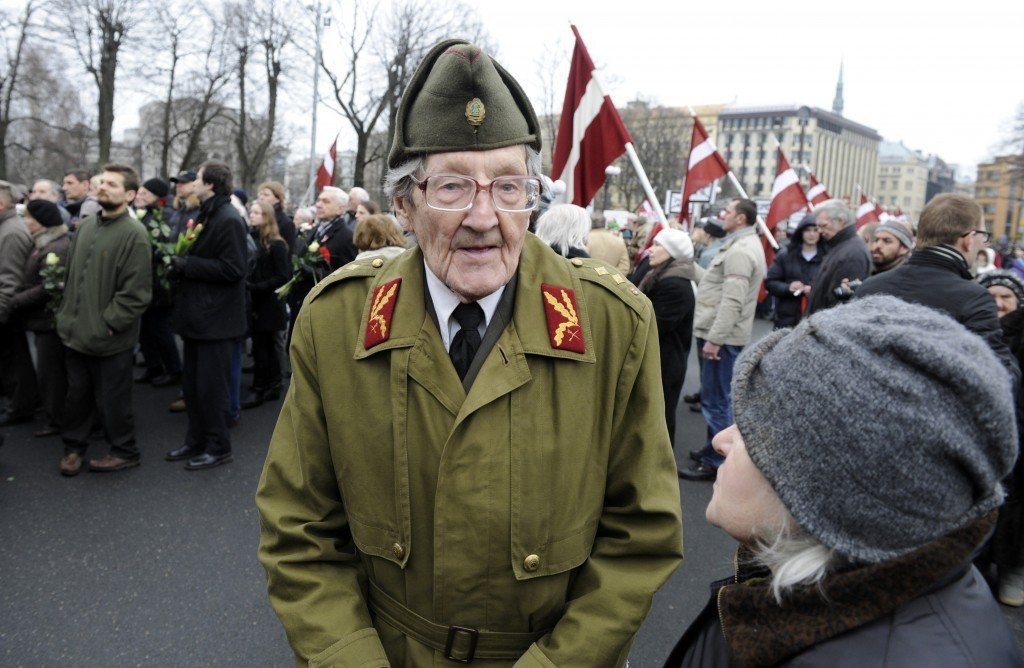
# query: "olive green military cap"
x,y
460,99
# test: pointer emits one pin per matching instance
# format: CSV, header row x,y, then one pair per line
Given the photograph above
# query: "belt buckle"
x,y
473,634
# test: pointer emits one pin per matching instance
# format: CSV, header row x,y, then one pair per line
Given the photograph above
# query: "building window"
x,y
906,202
909,185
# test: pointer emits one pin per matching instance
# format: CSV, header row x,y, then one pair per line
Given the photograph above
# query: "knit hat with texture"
x,y
903,439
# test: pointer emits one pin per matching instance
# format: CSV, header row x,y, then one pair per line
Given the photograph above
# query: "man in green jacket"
x,y
472,462
108,286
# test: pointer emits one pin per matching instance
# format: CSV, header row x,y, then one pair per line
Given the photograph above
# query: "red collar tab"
x,y
378,328
562,312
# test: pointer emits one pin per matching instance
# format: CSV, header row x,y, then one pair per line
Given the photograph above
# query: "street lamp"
x,y
609,172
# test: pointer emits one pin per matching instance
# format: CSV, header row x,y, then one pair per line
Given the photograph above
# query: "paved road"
x,y
156,566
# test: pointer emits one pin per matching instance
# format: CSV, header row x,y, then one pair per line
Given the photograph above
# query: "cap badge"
x,y
561,310
378,328
475,111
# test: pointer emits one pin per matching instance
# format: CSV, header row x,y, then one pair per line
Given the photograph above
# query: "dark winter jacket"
x,y
109,283
273,269
846,256
938,277
154,220
929,608
209,299
337,238
30,305
15,247
788,267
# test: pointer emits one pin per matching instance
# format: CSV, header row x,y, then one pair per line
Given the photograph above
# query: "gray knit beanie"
x,y
882,425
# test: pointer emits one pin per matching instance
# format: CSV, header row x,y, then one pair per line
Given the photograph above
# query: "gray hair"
x,y
6,193
564,226
399,181
359,193
598,221
54,188
340,196
836,209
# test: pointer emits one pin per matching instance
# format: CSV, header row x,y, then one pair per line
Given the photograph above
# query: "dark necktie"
x,y
467,340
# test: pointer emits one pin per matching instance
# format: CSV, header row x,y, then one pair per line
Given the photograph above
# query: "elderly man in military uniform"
x,y
472,462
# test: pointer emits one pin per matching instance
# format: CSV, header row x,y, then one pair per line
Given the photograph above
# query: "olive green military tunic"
x,y
540,511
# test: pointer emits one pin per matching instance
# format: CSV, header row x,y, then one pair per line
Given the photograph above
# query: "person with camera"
x,y
847,255
937,275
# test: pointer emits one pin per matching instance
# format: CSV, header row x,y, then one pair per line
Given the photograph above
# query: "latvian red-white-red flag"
x,y
787,198
867,212
706,165
816,193
591,134
325,174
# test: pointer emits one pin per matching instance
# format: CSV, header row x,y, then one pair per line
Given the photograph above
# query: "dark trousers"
x,y
16,371
266,361
157,340
207,387
100,387
52,370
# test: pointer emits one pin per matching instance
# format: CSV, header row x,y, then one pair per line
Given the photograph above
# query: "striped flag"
x,y
705,166
867,212
591,134
816,193
787,198
325,174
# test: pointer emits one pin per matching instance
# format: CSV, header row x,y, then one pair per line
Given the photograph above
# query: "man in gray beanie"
x,y
891,246
857,536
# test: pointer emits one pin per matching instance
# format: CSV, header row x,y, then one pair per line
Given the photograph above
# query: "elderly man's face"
x,y
353,200
473,252
43,190
144,198
829,226
327,206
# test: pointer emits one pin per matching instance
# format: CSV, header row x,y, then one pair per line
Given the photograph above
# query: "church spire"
x,y
837,103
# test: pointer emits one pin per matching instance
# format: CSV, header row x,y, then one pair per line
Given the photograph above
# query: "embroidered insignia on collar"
x,y
378,328
562,311
475,111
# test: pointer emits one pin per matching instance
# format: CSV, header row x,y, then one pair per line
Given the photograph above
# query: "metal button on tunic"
x,y
531,563
398,550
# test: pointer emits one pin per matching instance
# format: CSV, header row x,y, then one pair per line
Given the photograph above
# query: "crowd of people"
x,y
507,476
107,271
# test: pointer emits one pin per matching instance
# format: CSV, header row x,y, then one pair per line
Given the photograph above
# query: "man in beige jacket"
x,y
722,322
604,245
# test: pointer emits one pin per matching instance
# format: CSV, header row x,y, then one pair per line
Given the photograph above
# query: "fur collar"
x,y
759,632
49,234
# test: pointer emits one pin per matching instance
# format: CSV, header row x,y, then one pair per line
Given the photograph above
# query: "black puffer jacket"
x,y
209,300
938,277
930,608
788,267
273,269
846,256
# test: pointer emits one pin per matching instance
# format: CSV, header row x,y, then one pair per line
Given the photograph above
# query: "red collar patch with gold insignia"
x,y
378,328
562,313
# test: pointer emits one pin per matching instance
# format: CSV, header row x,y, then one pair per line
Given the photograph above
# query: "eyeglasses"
x,y
984,234
455,192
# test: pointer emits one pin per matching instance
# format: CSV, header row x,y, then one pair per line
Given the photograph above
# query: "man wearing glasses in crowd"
x,y
472,462
937,275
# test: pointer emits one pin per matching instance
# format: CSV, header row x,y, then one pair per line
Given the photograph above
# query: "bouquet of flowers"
x,y
53,280
160,238
305,264
188,237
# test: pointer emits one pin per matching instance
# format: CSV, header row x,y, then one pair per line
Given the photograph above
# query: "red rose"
x,y
325,252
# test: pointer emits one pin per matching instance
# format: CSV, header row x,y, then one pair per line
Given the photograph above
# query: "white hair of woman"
x,y
564,226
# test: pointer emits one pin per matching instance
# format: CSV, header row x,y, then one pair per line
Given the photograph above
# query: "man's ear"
x,y
403,212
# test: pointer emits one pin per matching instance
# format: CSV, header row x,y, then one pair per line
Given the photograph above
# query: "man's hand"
x,y
797,287
710,351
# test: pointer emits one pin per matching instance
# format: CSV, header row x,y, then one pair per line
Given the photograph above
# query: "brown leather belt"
x,y
458,643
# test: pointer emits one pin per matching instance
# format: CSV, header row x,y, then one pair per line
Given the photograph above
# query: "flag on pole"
x,y
867,212
787,198
705,166
816,192
591,134
325,174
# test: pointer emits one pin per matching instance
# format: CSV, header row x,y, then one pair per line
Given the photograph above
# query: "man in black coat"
x,y
331,233
209,315
847,255
937,274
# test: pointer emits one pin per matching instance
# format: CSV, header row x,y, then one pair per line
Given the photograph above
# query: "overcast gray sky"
x,y
943,78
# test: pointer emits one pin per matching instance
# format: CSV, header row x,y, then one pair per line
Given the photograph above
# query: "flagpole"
x,y
760,221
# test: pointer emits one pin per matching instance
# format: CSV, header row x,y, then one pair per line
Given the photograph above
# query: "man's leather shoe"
x,y
48,430
184,452
700,471
695,408
177,406
71,464
207,461
695,455
167,379
11,419
692,398
111,463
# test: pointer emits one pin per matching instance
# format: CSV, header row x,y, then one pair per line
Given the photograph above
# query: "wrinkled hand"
x,y
710,351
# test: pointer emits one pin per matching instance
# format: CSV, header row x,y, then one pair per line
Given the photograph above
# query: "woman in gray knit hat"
x,y
857,535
